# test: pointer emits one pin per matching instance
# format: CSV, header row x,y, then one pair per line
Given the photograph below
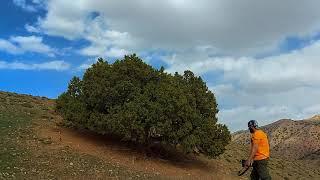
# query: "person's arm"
x,y
253,150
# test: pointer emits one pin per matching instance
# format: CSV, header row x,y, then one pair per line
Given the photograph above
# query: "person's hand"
x,y
248,163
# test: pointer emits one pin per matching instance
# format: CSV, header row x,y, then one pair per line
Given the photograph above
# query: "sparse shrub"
x,y
27,105
138,103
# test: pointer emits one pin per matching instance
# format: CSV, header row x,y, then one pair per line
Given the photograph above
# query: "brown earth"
x,y
115,152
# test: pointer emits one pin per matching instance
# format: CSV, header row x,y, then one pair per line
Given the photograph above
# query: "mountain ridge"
x,y
293,139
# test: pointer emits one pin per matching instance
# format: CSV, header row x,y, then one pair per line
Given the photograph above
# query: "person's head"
x,y
252,125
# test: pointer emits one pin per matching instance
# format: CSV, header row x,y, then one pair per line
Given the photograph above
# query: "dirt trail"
x,y
123,156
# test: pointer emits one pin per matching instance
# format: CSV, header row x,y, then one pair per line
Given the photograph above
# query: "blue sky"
x,y
36,82
259,58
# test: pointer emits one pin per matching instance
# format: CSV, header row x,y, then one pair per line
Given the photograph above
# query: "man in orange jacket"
x,y
259,153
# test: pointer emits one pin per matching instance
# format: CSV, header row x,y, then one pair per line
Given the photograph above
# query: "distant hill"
x,y
293,139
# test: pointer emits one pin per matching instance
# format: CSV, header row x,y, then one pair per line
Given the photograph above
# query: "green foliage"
x,y
138,103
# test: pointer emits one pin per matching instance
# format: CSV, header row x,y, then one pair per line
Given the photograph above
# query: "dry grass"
x,y
26,155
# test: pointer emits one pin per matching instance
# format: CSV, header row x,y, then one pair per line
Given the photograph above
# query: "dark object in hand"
x,y
244,167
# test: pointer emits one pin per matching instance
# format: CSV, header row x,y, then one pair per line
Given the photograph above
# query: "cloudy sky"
x,y
261,59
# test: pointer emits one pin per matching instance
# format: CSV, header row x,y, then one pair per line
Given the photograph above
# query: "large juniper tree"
x,y
138,103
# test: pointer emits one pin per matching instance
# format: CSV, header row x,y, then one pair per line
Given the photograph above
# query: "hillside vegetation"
x,y
26,153
34,146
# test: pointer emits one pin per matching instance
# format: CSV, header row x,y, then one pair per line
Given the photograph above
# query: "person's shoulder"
x,y
259,133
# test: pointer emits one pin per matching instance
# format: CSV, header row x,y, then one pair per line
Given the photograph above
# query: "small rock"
x,y
71,164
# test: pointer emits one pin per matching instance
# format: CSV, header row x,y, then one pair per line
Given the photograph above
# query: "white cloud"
x,y
209,36
84,66
32,44
87,64
51,65
241,106
9,47
237,118
103,42
31,29
106,43
31,6
266,89
21,44
237,28
114,52
271,74
23,5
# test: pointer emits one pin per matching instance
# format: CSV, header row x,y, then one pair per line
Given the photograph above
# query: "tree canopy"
x,y
136,102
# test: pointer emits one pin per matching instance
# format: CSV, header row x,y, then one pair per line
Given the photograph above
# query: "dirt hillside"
x,y
34,146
